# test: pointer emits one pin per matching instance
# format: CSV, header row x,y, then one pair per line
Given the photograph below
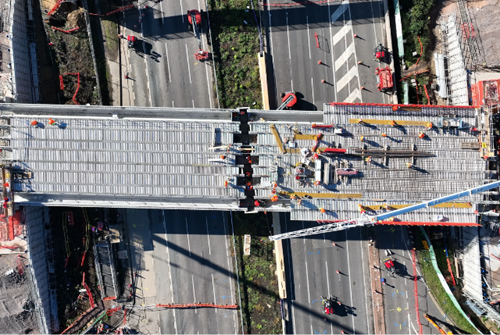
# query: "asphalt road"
x,y
399,296
301,35
193,264
162,63
311,266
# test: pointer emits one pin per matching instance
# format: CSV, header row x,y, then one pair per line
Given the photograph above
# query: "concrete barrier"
x,y
263,80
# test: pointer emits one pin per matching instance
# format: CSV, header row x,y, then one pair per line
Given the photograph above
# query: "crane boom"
x,y
366,220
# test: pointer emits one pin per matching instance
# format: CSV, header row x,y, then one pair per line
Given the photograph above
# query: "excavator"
x,y
288,99
194,19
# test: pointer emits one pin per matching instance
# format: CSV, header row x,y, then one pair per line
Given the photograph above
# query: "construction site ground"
x,y
16,303
69,272
70,54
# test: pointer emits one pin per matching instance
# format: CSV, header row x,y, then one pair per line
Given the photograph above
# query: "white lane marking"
x,y
354,94
209,88
344,56
173,104
193,102
409,321
189,67
339,11
168,62
327,279
308,36
353,72
149,86
182,11
349,274
308,291
293,316
364,281
213,286
194,293
312,87
169,267
333,61
342,32
162,13
291,85
288,36
208,236
187,236
356,61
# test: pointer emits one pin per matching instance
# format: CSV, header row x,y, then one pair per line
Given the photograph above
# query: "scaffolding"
x,y
469,37
457,73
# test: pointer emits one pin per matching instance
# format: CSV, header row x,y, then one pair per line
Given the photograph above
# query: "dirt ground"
x,y
486,15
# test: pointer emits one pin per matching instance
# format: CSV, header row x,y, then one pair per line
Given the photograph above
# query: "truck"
x,y
384,79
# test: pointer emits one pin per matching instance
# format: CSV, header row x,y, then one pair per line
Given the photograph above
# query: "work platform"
x,y
204,159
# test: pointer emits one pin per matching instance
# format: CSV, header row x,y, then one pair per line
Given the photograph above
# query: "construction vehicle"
x,y
131,41
288,99
389,264
366,220
194,19
379,52
327,304
384,79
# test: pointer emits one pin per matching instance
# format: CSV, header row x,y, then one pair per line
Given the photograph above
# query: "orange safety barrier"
x,y
61,83
65,31
83,258
194,305
427,95
56,6
77,87
397,105
109,298
112,311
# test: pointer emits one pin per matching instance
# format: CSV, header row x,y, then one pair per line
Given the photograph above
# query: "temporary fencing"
x,y
65,31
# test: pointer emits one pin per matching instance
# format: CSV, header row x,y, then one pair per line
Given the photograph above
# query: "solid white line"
x,y
364,281
208,87
182,11
308,36
194,294
353,71
293,316
189,67
308,291
168,62
169,267
288,36
327,279
349,274
213,286
342,33
409,321
344,56
416,333
149,86
312,87
187,236
162,13
208,236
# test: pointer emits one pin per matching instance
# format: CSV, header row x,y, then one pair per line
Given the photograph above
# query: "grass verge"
x,y
434,284
236,45
257,272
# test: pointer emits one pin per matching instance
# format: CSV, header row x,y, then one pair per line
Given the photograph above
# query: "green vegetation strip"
x,y
257,272
236,46
434,284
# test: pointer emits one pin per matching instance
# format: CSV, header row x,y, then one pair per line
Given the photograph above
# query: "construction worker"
x,y
384,135
317,182
34,123
392,123
225,183
222,157
421,135
299,202
52,122
256,203
322,210
429,126
361,138
316,156
293,196
274,198
360,120
368,159
409,165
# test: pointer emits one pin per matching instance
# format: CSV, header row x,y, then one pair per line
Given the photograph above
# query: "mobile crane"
x,y
376,219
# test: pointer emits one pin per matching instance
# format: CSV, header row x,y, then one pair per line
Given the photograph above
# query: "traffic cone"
x,y
421,135
355,35
323,81
360,62
320,62
362,88
338,272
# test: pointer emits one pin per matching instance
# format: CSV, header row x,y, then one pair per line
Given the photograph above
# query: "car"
x,y
346,172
